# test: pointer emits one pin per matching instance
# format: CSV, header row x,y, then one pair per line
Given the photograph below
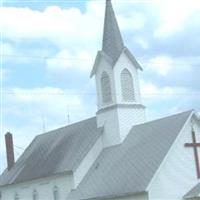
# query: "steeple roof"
x,y
113,45
112,39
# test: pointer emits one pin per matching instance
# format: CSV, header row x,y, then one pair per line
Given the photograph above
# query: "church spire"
x,y
112,39
117,84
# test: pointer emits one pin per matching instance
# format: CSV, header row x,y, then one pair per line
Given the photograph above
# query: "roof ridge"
x,y
166,117
67,126
155,120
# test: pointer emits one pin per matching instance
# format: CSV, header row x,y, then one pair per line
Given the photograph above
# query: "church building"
x,y
117,154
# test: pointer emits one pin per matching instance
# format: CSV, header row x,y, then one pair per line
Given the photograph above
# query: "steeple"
x,y
112,39
117,84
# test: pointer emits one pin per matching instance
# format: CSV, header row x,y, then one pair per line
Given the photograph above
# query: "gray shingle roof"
x,y
194,192
128,168
58,151
112,39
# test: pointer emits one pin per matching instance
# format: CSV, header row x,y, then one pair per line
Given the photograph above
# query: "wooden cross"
x,y
195,146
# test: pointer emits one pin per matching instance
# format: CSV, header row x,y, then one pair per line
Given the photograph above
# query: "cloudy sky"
x,y
48,49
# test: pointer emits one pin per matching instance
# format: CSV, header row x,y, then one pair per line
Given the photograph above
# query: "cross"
x,y
195,146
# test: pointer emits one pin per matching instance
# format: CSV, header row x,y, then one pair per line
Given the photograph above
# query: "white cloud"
x,y
155,93
5,74
165,65
161,65
150,90
64,60
174,99
5,49
142,42
47,100
9,52
173,15
61,26
64,27
134,21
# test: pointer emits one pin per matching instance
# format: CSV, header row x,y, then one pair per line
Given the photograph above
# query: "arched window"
x,y
35,195
55,193
16,196
106,88
127,86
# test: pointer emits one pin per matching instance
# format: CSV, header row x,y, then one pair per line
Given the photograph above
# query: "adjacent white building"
x,y
117,154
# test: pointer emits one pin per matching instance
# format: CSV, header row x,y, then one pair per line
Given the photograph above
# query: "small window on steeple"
x,y
35,195
127,86
16,196
55,193
106,88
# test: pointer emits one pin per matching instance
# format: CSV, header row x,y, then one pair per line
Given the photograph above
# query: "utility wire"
x,y
44,57
142,59
77,1
17,152
21,148
79,93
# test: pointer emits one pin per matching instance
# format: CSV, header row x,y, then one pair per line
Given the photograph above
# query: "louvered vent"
x,y
106,88
127,86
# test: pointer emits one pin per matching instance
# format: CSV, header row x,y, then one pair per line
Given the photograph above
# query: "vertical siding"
x,y
178,173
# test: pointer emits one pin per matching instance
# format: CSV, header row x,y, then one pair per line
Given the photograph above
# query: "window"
x,y
127,86
55,193
35,195
16,197
106,88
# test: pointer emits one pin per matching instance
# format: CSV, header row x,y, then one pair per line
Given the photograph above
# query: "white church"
x,y
117,154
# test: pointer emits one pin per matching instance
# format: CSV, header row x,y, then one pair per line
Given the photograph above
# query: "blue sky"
x,y
49,47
